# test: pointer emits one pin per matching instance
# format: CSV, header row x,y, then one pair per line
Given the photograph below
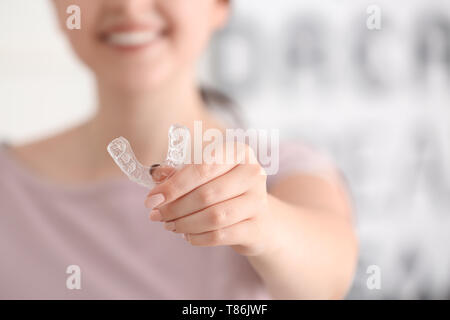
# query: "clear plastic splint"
x,y
123,155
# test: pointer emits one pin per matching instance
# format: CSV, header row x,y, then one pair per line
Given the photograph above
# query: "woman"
x,y
64,202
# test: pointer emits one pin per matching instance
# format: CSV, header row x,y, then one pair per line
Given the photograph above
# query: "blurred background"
x,y
378,101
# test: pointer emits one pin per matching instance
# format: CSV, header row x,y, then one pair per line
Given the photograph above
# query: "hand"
x,y
216,204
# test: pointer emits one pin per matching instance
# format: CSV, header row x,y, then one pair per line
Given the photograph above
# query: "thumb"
x,y
160,173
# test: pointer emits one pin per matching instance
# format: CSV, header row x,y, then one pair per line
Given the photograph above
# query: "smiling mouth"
x,y
131,38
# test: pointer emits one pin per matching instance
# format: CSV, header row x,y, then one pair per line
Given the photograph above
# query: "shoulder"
x,y
47,157
36,155
16,160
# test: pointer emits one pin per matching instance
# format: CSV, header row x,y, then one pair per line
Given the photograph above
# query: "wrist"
x,y
273,236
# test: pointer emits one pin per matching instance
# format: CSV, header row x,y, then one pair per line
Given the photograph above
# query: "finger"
x,y
160,173
232,184
241,233
192,176
216,217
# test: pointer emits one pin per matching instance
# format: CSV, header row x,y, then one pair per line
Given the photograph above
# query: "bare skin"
x,y
298,235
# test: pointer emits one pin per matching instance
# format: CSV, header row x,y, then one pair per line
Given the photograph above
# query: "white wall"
x,y
43,88
390,135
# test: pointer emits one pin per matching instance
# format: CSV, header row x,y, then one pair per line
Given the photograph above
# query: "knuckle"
x,y
259,176
165,212
179,227
202,171
169,189
206,195
169,211
217,237
254,169
218,217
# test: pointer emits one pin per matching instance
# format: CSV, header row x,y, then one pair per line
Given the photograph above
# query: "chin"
x,y
141,86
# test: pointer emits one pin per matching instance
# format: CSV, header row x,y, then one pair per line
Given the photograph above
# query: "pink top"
x,y
104,229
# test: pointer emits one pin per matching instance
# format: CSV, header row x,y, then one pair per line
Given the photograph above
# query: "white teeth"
x,y
134,38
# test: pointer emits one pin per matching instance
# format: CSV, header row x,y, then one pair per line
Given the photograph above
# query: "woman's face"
x,y
142,44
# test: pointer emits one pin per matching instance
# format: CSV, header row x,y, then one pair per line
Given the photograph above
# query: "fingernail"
x,y
154,201
161,173
153,167
186,237
170,226
155,215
